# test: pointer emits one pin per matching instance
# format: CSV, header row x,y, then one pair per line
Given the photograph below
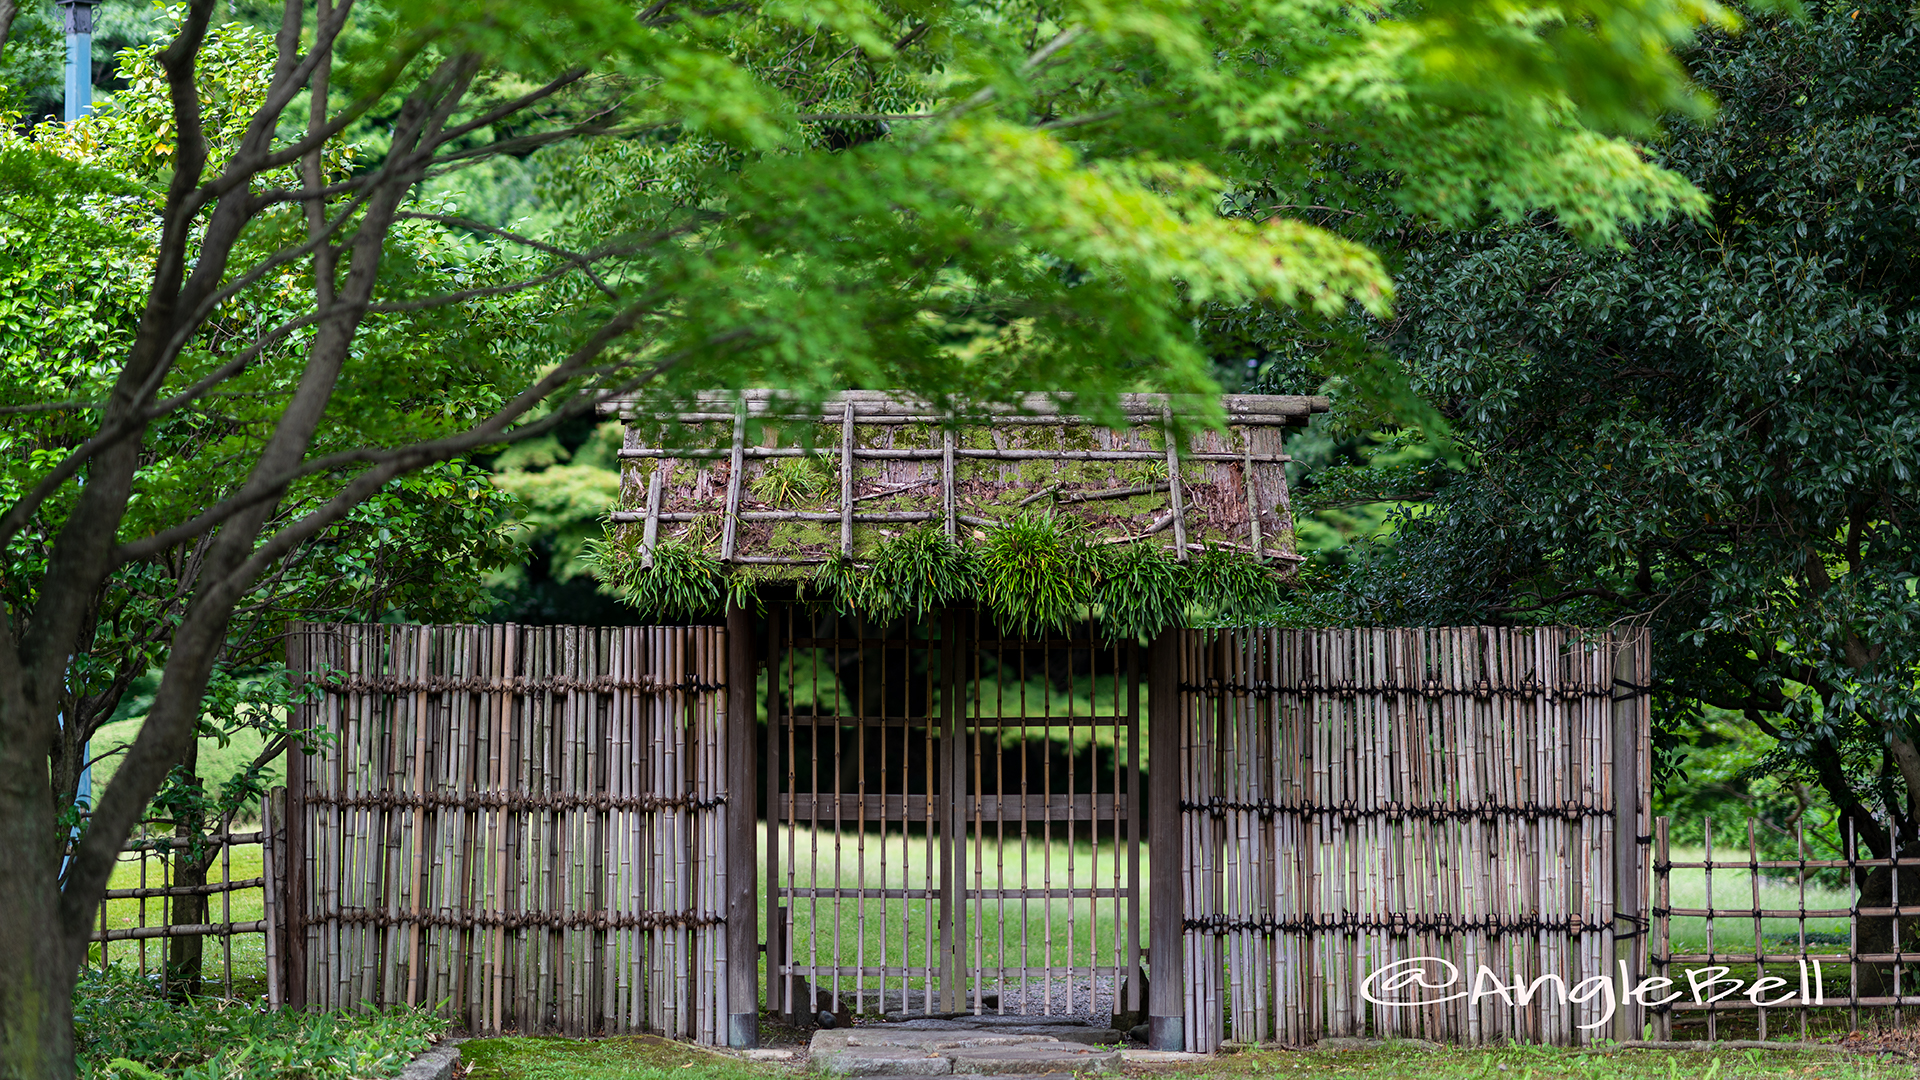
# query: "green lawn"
x,y
217,762
1734,888
245,952
1081,931
631,1057
1542,1062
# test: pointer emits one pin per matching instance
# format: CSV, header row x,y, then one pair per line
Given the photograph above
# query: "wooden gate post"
x,y
1629,703
293,900
743,894
952,789
1166,989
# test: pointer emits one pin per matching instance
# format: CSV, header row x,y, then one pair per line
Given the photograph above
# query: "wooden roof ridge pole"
x,y
846,483
1175,490
1253,494
890,406
651,536
731,527
923,454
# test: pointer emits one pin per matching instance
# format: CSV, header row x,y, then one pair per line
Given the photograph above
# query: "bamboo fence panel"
x,y
521,827
1811,974
1353,799
155,891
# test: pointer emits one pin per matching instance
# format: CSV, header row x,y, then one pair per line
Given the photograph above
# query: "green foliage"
x,y
794,481
80,224
1142,589
1715,430
124,1027
562,496
908,576
1728,775
684,582
1038,572
1230,589
1007,225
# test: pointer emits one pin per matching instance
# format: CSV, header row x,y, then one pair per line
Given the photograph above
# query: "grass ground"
x,y
246,953
1540,1063
634,1057
644,1058
218,760
1081,931
1735,888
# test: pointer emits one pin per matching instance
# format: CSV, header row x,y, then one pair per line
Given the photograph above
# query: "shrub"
x,y
125,1028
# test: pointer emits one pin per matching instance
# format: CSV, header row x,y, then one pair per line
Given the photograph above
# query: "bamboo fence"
x,y
1355,798
1810,977
153,898
522,827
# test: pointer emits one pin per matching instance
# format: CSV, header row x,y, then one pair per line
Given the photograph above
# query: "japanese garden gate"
x,y
549,828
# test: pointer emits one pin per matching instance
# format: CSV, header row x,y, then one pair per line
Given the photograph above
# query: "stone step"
x,y
983,1076
1032,1058
890,1050
1065,1032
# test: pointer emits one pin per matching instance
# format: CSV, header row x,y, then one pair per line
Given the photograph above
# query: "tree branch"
x,y
9,10
575,258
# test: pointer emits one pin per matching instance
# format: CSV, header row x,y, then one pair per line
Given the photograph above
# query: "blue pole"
x,y
79,101
79,20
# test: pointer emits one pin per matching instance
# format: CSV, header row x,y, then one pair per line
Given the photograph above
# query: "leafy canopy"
x,y
1715,430
962,199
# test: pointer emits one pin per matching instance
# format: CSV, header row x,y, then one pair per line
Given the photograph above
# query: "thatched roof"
x,y
757,484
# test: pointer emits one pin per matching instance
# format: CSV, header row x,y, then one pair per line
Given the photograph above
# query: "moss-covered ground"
x,y
646,1058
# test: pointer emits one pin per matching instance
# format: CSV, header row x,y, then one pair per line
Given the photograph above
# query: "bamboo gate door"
x,y
523,826
1440,799
951,821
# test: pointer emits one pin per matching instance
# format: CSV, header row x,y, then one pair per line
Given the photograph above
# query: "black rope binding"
x,y
1398,924
1395,811
1529,688
1633,689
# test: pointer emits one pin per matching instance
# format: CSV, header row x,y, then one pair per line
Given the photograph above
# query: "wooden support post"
x,y
1629,702
743,984
1176,491
947,480
1252,491
846,483
779,619
293,954
650,536
737,463
1166,992
273,894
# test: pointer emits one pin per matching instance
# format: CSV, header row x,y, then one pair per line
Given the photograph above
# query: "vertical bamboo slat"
x,y
521,826
1356,798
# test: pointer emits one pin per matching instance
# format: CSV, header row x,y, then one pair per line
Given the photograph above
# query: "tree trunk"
x,y
1876,934
37,961
190,861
